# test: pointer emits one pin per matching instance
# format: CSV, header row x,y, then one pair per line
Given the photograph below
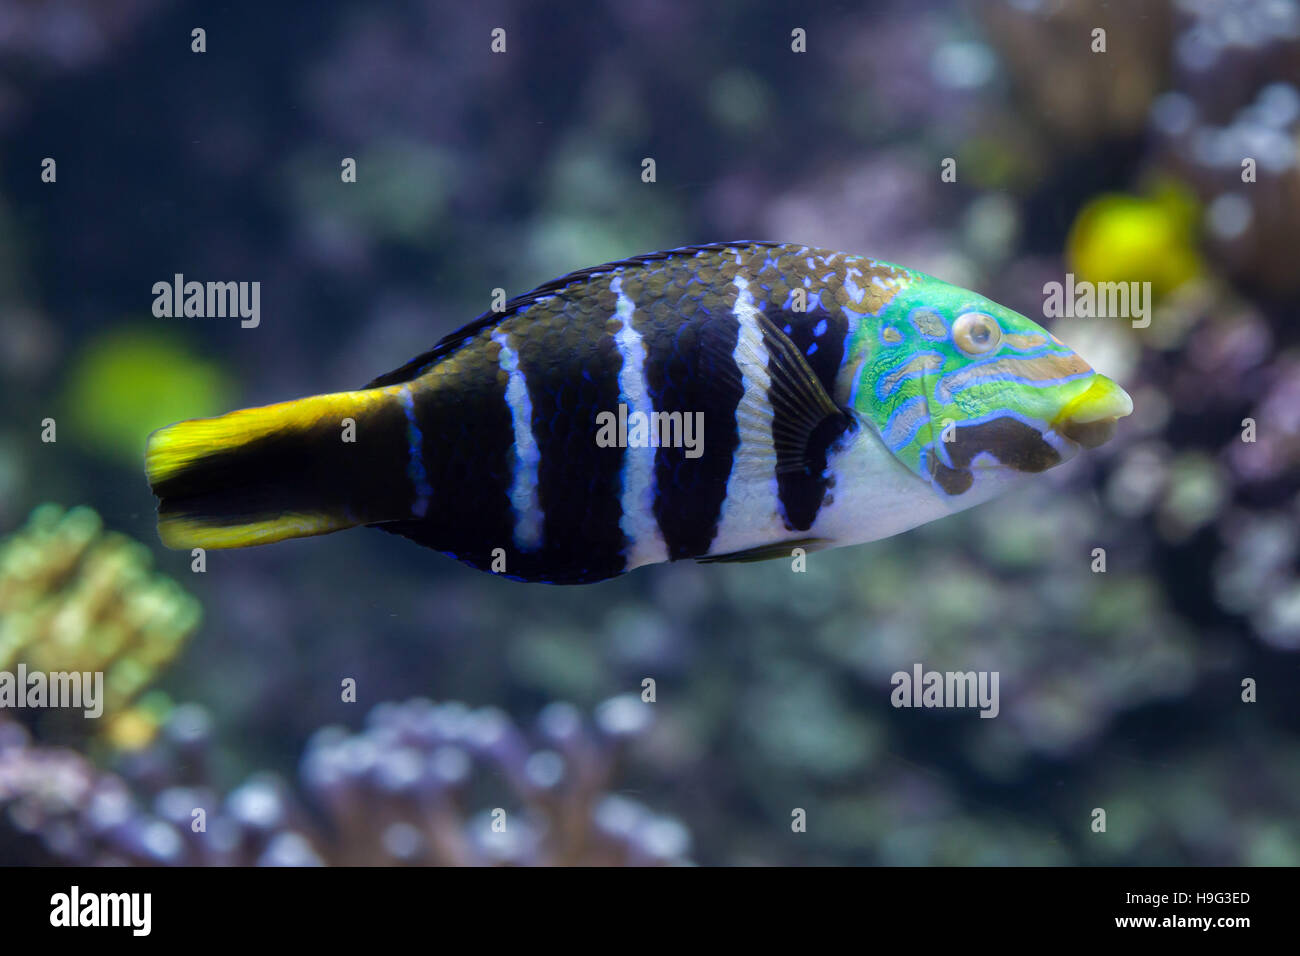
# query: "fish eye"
x,y
976,333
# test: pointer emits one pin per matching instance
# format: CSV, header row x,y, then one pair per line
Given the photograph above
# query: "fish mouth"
x,y
1090,418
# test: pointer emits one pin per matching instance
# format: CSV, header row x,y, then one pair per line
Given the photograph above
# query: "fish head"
x,y
969,394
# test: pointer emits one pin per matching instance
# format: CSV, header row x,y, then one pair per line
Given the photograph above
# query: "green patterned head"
x,y
961,388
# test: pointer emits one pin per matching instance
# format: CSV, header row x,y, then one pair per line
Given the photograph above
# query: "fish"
x,y
726,402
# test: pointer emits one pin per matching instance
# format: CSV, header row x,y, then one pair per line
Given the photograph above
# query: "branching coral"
x,y
423,784
76,598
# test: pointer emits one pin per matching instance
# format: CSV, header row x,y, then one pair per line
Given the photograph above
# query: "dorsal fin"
x,y
416,366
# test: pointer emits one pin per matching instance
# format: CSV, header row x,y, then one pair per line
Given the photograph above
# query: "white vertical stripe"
x,y
751,510
646,540
523,489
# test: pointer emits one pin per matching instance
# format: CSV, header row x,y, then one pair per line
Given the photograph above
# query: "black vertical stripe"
x,y
468,446
803,491
690,334
570,363
801,328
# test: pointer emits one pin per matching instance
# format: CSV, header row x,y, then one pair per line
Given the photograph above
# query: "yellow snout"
x,y
1089,419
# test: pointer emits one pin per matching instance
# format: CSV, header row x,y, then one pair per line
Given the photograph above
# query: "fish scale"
x,y
814,424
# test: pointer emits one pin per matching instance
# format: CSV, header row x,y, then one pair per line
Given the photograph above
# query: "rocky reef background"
x,y
1120,690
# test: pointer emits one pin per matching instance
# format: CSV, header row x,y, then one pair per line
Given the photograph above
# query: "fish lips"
x,y
1090,419
1089,434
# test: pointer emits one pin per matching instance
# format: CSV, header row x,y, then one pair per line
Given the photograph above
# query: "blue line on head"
x,y
920,422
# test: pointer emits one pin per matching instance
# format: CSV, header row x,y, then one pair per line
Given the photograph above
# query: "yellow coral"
x,y
76,598
1124,238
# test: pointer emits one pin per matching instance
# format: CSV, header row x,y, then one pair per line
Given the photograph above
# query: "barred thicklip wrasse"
x,y
726,402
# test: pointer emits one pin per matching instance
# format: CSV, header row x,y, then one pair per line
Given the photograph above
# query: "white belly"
x,y
875,496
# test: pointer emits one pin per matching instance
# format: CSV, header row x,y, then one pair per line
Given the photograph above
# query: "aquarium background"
x,y
480,700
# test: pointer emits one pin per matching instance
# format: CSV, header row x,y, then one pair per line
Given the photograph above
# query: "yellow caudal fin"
x,y
290,470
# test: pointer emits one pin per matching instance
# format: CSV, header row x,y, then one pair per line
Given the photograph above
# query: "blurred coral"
x,y
76,598
1231,131
403,791
128,382
1118,238
1083,92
